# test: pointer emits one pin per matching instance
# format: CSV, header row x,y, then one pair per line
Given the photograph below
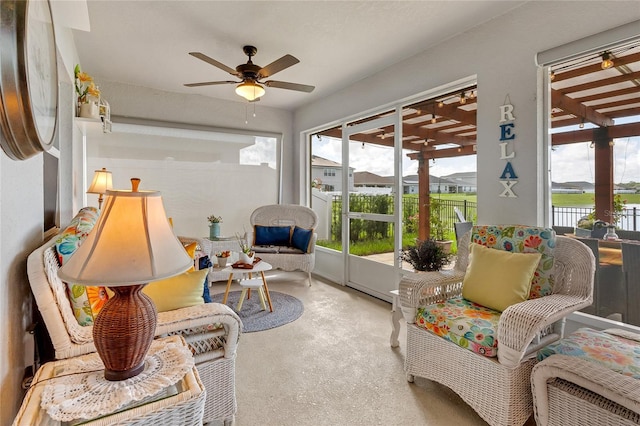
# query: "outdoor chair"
x,y
631,273
592,243
461,228
486,355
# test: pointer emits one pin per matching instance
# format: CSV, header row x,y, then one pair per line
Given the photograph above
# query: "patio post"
x,y
424,204
603,165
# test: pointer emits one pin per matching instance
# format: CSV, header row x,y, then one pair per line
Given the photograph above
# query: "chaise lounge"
x,y
211,330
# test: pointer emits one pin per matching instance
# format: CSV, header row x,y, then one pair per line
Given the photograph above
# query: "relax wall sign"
x,y
507,134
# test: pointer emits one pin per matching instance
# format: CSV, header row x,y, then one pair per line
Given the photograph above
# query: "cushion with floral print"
x,y
464,323
606,348
85,302
523,239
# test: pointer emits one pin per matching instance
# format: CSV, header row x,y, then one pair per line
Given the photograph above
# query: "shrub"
x,y
426,255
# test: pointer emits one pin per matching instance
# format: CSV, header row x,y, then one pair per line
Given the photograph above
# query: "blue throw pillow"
x,y
203,263
205,293
272,235
301,238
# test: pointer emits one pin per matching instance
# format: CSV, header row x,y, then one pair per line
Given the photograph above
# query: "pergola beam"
x,y
565,103
589,135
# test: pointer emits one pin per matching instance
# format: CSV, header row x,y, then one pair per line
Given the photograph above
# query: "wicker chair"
x,y
287,215
211,330
497,389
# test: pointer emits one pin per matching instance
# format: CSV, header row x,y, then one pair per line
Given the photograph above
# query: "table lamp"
x,y
131,244
101,183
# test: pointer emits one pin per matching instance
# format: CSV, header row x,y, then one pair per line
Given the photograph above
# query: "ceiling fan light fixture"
x,y
250,90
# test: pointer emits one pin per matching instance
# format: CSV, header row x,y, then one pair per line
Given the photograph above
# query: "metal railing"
x,y
569,216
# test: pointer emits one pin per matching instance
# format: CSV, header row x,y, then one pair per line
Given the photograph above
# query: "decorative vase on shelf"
x,y
89,110
245,258
214,231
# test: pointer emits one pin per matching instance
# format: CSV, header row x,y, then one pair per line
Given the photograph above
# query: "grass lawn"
x,y
559,200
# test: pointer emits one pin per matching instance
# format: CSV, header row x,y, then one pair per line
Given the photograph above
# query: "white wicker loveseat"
x,y
497,388
284,256
211,331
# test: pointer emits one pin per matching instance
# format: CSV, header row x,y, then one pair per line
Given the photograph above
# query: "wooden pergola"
x,y
582,92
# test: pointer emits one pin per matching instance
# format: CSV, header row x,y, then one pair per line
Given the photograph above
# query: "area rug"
x,y
286,309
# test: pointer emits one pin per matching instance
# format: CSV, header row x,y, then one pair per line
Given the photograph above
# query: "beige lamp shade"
x,y
132,243
102,181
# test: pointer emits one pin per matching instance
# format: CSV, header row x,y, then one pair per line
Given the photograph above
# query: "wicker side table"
x,y
180,403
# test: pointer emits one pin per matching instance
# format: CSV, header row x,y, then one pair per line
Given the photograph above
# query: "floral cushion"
x,y
86,302
464,323
523,239
606,348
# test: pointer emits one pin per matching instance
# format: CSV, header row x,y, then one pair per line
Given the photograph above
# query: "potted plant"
x,y
246,255
222,257
438,226
88,94
214,226
426,255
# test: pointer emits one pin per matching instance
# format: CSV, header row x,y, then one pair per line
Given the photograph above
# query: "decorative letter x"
x,y
508,184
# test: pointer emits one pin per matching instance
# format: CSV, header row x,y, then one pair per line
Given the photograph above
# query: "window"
x,y
199,172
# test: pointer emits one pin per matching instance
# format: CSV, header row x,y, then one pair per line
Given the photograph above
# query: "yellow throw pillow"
x,y
191,251
498,279
181,291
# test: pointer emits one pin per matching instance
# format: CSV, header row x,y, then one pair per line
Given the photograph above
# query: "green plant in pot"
x,y
214,226
438,226
426,255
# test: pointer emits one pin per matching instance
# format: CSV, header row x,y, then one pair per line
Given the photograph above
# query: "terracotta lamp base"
x,y
123,332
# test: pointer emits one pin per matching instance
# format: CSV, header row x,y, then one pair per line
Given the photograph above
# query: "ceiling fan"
x,y
251,87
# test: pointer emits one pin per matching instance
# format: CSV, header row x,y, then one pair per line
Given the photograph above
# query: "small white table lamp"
x,y
131,244
102,182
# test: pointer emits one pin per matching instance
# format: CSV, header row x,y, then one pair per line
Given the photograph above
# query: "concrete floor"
x,y
334,366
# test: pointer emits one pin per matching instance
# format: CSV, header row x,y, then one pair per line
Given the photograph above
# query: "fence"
x,y
362,230
569,216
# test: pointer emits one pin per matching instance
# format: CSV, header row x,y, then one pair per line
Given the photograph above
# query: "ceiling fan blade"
x,y
290,86
213,62
211,83
278,65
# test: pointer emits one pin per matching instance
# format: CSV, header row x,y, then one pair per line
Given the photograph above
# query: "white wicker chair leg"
x,y
309,279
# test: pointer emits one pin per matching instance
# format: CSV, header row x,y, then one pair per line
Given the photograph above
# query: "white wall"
x,y
501,54
144,103
21,231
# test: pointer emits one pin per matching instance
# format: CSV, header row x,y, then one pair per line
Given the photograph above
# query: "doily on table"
x,y
83,393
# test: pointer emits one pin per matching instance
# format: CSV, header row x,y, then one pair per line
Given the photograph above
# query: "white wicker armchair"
x,y
287,215
498,390
211,330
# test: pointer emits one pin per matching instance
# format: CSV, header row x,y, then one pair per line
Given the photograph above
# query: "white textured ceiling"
x,y
146,43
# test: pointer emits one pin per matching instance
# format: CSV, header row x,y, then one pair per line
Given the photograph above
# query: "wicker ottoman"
x,y
577,388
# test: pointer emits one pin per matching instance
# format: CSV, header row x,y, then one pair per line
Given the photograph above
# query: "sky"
x,y
569,163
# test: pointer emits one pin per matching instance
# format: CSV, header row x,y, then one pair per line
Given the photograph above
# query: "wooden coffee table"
x,y
260,267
